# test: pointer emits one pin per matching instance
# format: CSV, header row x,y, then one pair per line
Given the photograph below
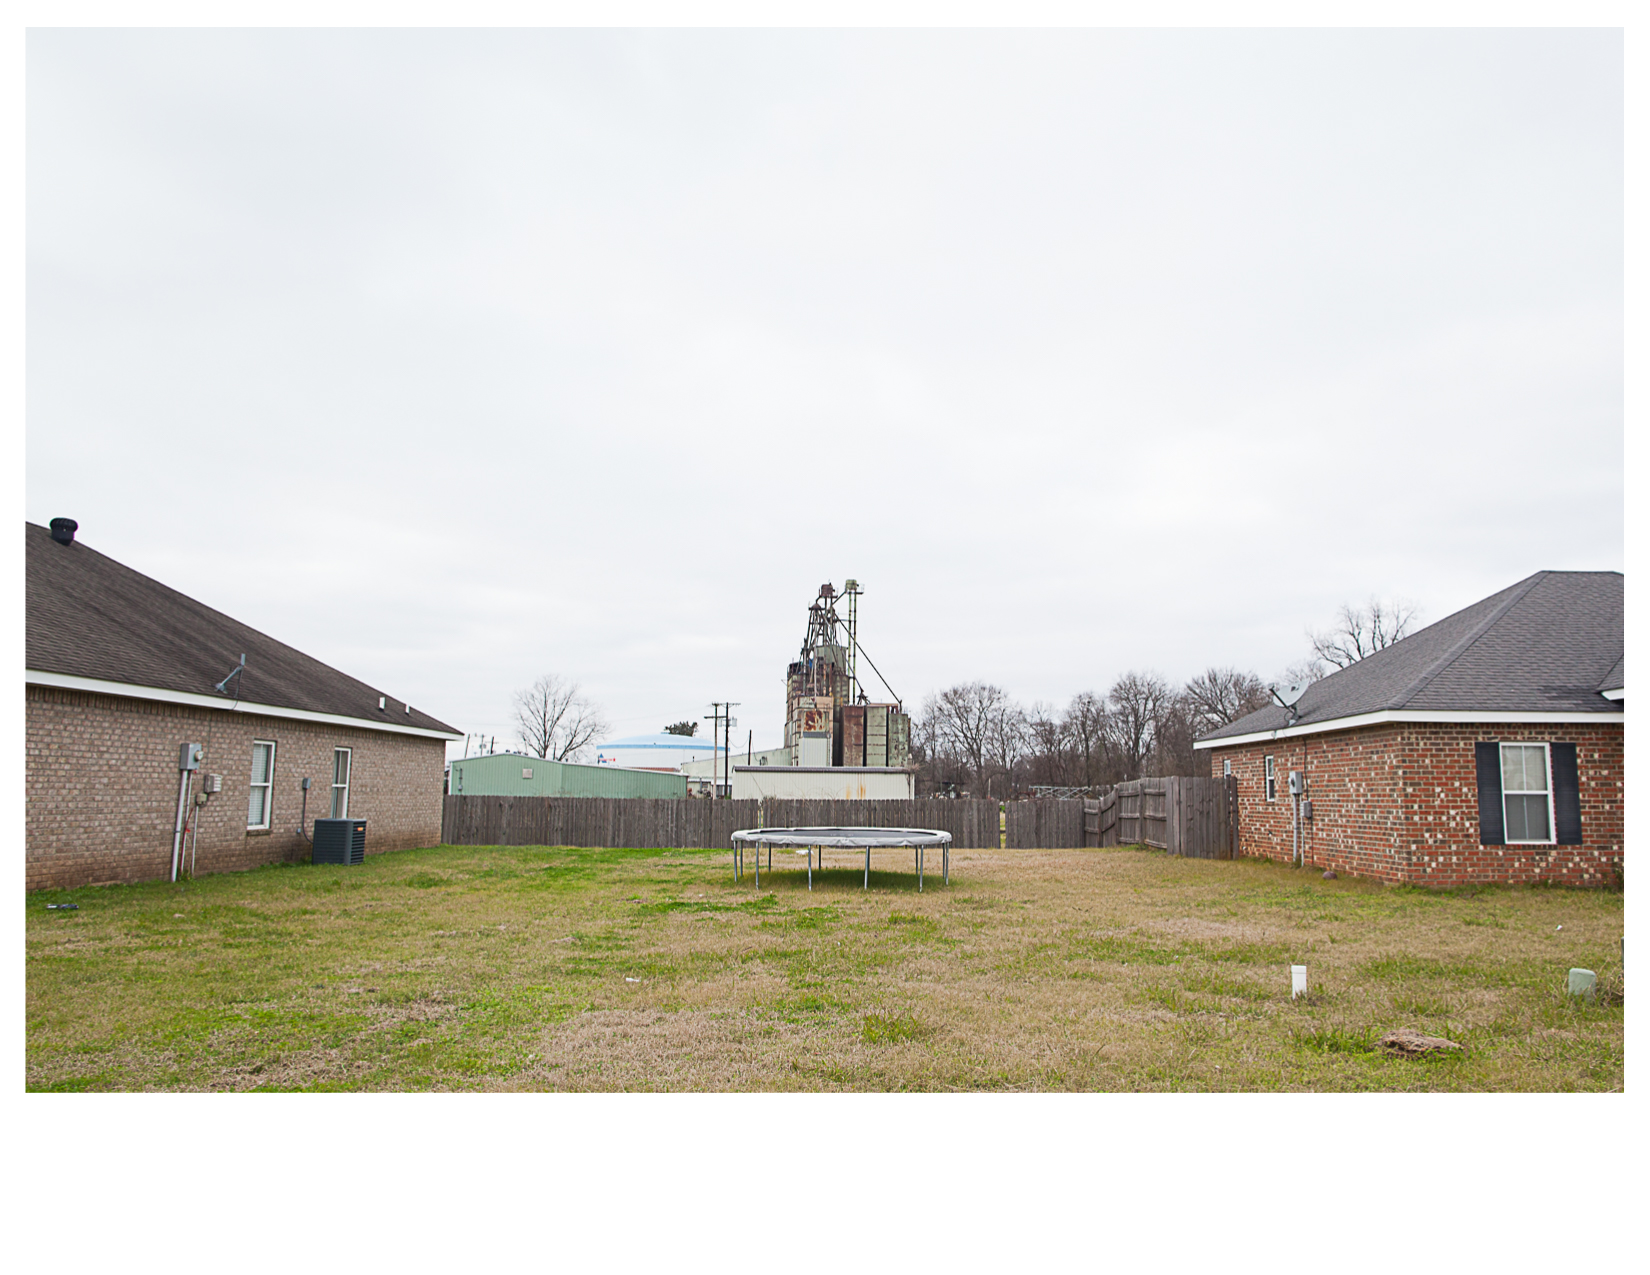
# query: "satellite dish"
x,y
1290,694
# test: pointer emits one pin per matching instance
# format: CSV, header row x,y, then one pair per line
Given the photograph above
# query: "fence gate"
x,y
1190,815
1100,819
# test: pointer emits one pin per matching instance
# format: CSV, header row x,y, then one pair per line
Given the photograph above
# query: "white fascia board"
x,y
1617,693
34,677
1408,715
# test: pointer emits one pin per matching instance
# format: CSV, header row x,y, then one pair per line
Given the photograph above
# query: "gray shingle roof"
x,y
89,616
1546,645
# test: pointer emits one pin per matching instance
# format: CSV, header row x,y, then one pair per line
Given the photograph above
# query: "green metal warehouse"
x,y
523,775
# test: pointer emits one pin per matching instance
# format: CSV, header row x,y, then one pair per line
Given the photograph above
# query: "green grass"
x,y
556,968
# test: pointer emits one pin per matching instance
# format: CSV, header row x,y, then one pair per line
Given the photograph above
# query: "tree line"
x,y
977,739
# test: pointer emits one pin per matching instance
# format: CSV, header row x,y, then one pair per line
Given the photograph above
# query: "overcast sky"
x,y
457,358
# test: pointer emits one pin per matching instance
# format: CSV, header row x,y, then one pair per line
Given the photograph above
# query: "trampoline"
x,y
808,840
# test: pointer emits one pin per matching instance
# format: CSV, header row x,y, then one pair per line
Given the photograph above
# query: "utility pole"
x,y
727,754
722,724
715,716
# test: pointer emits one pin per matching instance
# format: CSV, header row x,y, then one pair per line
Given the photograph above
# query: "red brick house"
x,y
122,672
1484,748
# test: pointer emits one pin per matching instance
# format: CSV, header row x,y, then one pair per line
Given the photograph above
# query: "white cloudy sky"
x,y
455,358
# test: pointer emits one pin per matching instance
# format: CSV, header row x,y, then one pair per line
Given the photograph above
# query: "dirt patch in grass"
x,y
555,968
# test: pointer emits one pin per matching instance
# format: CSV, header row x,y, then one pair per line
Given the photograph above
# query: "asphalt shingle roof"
x,y
89,616
1548,644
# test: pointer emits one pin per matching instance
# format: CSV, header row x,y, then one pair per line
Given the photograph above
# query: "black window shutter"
x,y
1492,828
1566,795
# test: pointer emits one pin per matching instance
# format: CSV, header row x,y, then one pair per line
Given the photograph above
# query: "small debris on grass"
x,y
64,907
628,979
1559,928
1409,1043
178,916
1330,875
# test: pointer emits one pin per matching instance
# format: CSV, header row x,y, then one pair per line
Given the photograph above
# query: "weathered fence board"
x,y
1045,823
1191,816
655,823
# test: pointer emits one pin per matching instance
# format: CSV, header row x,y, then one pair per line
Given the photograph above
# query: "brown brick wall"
x,y
102,787
1399,803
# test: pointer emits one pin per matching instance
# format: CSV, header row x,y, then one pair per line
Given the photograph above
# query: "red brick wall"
x,y
1399,803
102,787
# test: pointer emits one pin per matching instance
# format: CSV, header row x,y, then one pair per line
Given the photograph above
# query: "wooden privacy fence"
x,y
1192,815
1045,823
671,823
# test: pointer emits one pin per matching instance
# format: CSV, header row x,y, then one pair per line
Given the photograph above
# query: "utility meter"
x,y
1297,783
190,757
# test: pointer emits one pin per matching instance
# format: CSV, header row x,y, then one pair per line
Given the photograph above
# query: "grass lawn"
x,y
532,968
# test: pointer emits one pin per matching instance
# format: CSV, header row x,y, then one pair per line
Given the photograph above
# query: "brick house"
x,y
122,672
1485,748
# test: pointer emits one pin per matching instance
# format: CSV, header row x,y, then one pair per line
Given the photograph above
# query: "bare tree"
x,y
1361,631
1305,672
555,721
1085,723
1007,742
970,722
1219,696
1175,730
1137,702
1048,746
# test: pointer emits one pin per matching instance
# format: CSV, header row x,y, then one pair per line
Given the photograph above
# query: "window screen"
x,y
263,777
1526,792
340,783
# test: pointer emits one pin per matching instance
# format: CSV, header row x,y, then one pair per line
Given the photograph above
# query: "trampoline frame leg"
x,y
867,884
810,867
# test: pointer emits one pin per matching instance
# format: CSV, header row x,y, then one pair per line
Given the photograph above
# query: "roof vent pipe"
x,y
63,530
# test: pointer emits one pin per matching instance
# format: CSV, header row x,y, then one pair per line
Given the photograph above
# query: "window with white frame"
x,y
1271,781
340,783
263,783
1227,771
1527,793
